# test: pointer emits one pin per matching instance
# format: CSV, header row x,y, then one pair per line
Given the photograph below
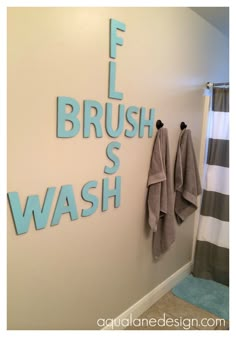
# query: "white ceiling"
x,y
217,16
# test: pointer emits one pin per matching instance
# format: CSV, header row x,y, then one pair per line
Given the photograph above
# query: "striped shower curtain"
x,y
212,247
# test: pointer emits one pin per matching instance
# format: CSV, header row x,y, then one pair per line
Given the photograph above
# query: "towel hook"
x,y
159,124
183,126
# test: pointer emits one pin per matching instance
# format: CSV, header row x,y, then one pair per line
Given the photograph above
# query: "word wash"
x,y
131,122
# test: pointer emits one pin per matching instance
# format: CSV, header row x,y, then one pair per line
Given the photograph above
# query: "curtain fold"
x,y
212,247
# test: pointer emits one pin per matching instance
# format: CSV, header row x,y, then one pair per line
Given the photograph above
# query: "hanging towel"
x,y
187,181
160,195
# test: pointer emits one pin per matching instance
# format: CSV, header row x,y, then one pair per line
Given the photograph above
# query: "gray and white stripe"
x,y
212,248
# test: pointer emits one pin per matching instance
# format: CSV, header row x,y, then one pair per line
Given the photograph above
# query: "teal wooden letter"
x,y
131,121
146,122
95,120
111,193
113,158
114,39
32,209
90,198
65,204
112,93
121,114
63,116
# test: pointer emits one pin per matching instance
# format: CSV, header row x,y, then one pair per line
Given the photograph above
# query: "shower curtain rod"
x,y
210,84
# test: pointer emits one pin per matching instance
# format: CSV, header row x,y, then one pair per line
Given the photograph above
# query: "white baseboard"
x,y
148,300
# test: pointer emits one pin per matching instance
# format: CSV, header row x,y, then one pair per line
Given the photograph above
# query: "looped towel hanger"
x,y
183,126
159,124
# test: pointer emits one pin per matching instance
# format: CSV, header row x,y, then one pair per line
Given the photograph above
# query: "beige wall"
x,y
68,276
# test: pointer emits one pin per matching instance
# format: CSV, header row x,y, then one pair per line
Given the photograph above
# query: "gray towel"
x,y
160,195
187,181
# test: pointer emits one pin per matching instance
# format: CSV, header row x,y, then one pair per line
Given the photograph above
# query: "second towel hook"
x,y
183,126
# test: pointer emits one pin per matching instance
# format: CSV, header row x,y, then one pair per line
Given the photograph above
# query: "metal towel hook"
x,y
159,124
183,126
